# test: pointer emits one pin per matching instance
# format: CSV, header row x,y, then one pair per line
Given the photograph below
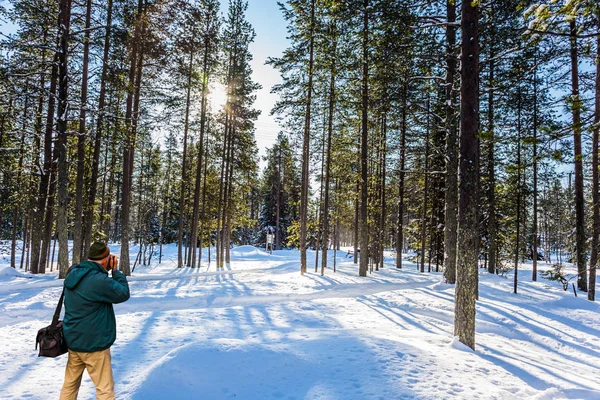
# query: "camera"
x,y
112,262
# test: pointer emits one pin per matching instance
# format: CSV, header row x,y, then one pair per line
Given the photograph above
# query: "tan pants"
x,y
98,367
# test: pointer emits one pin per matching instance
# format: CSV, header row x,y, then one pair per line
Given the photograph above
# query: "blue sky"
x,y
271,40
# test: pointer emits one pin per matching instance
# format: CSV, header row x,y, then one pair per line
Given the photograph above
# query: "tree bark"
x,y
325,238
400,224
306,145
61,128
535,176
579,196
468,240
186,125
37,223
518,194
129,143
79,219
203,103
364,225
99,128
451,193
596,188
425,188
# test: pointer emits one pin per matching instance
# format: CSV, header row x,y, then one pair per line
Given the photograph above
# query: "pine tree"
x,y
468,240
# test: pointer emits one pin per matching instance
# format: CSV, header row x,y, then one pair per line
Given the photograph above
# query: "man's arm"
x,y
112,290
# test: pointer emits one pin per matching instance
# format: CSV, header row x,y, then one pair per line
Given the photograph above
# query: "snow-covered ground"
x,y
259,330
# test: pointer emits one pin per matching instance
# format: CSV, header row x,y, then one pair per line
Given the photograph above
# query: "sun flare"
x,y
217,96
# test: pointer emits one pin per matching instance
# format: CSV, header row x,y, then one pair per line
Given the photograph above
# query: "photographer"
x,y
89,324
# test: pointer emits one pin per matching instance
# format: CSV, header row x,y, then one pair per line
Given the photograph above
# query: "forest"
x,y
465,132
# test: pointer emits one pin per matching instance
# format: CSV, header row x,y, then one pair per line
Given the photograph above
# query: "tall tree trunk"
x,y
383,191
202,213
325,238
222,194
306,144
79,219
518,193
356,214
320,207
451,193
425,188
278,205
579,196
99,128
492,225
364,225
203,103
468,238
61,128
13,246
535,175
230,202
129,143
37,223
401,173
596,188
186,126
165,208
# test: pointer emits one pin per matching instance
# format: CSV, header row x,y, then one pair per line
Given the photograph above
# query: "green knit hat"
x,y
98,251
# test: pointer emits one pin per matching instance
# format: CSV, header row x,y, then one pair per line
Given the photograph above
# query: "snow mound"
x,y
8,273
247,252
458,345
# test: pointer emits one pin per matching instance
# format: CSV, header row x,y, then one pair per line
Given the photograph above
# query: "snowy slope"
x,y
259,330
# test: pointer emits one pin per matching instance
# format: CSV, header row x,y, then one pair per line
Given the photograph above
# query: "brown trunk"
x,y
202,213
364,226
356,213
325,236
165,208
229,204
129,143
99,128
320,208
186,125
278,202
451,194
595,196
37,223
492,178
61,128
468,239
306,145
425,188
221,193
13,247
400,224
535,177
79,219
518,194
579,196
196,210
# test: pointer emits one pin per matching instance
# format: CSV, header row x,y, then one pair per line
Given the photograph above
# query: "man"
x,y
89,324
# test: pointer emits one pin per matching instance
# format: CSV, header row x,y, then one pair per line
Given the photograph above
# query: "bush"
x,y
557,273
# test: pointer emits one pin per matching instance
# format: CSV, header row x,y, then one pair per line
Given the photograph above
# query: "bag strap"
x,y
60,302
58,309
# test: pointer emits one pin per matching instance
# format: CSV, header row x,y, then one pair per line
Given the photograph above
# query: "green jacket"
x,y
89,324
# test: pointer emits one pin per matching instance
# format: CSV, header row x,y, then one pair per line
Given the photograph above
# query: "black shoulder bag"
x,y
51,339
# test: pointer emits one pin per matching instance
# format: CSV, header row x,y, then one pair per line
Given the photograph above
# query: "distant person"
x,y
89,324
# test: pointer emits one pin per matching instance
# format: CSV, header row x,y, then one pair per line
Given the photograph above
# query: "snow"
x,y
260,330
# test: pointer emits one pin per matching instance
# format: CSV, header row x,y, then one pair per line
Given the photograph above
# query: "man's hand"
x,y
113,262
